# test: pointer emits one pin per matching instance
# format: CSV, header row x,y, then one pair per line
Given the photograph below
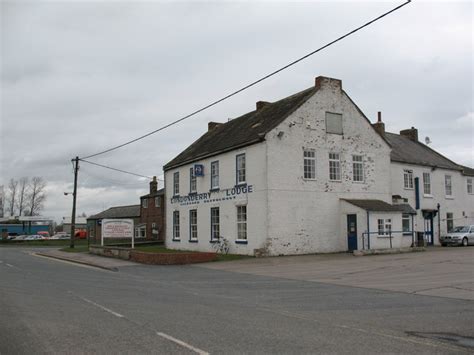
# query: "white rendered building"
x,y
306,174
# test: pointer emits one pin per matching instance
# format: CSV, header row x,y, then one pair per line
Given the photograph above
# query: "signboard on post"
x,y
117,229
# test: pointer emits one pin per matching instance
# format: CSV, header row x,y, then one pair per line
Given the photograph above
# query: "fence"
x,y
388,235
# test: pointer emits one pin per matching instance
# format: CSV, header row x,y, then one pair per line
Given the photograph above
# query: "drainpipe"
x,y
412,230
368,231
439,222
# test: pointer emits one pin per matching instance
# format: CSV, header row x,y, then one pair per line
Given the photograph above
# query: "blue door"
x,y
351,232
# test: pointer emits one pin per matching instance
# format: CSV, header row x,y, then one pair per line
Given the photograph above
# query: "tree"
x,y
12,190
22,196
36,196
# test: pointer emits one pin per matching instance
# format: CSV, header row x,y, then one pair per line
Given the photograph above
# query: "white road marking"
x,y
9,265
101,307
182,343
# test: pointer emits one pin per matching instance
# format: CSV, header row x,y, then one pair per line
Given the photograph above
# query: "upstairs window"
x,y
215,175
408,179
357,168
240,169
469,186
427,183
176,183
192,181
448,185
334,167
333,123
145,203
309,164
157,201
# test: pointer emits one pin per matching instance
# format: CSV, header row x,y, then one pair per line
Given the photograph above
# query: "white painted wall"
x,y
461,204
304,215
256,202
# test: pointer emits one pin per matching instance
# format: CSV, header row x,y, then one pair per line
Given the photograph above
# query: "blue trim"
x,y
193,241
215,190
213,241
241,242
417,193
175,240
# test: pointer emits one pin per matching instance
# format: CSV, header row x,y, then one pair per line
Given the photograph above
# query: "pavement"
x,y
442,272
52,306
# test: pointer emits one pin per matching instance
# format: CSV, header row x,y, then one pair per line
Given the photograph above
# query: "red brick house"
x,y
152,214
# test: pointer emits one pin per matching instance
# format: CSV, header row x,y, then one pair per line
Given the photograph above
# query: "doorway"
x,y
352,232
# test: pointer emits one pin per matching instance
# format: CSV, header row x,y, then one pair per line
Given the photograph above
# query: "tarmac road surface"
x,y
50,306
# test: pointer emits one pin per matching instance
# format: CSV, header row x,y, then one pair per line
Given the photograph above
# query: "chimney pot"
x,y
211,125
379,116
153,185
261,104
379,125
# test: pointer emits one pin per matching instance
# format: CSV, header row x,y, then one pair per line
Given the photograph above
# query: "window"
x,y
240,171
449,222
176,183
334,167
140,231
427,183
242,222
214,175
384,226
145,203
448,185
406,228
309,164
408,179
176,235
215,233
357,168
193,232
157,201
469,186
192,180
333,123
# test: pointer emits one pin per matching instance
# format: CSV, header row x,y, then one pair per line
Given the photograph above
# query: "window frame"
x,y
408,183
193,226
336,167
427,184
176,226
406,217
449,221
469,184
145,202
192,181
157,201
215,174
386,225
176,183
311,160
239,169
359,163
242,222
138,229
214,224
448,178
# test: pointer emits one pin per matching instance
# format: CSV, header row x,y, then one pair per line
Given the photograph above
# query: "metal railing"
x,y
388,235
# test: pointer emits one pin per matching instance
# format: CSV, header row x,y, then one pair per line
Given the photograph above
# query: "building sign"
x,y
213,196
198,170
117,228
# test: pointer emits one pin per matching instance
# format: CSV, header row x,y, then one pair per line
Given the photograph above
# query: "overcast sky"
x,y
80,77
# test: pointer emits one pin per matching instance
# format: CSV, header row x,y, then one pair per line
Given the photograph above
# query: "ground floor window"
x,y
406,224
384,226
215,223
193,231
176,225
242,222
449,221
140,231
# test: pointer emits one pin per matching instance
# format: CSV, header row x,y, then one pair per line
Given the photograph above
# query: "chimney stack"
x,y
153,186
261,104
329,83
211,125
411,134
379,125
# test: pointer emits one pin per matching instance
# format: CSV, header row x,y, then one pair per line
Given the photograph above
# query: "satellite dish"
x,y
427,140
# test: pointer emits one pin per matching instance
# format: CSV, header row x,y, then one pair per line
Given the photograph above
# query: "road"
x,y
48,306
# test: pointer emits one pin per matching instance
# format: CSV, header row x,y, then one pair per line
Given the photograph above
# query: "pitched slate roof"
x,y
381,206
131,211
404,150
157,193
242,131
467,170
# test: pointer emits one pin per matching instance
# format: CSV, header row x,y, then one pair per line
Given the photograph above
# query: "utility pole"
x,y
74,195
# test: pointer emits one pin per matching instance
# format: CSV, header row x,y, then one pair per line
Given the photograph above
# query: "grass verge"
x,y
42,243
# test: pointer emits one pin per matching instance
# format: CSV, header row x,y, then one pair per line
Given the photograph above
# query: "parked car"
x,y
80,234
34,237
462,235
61,236
44,234
20,237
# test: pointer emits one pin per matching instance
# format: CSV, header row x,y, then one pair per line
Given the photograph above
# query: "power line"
x,y
115,169
249,85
